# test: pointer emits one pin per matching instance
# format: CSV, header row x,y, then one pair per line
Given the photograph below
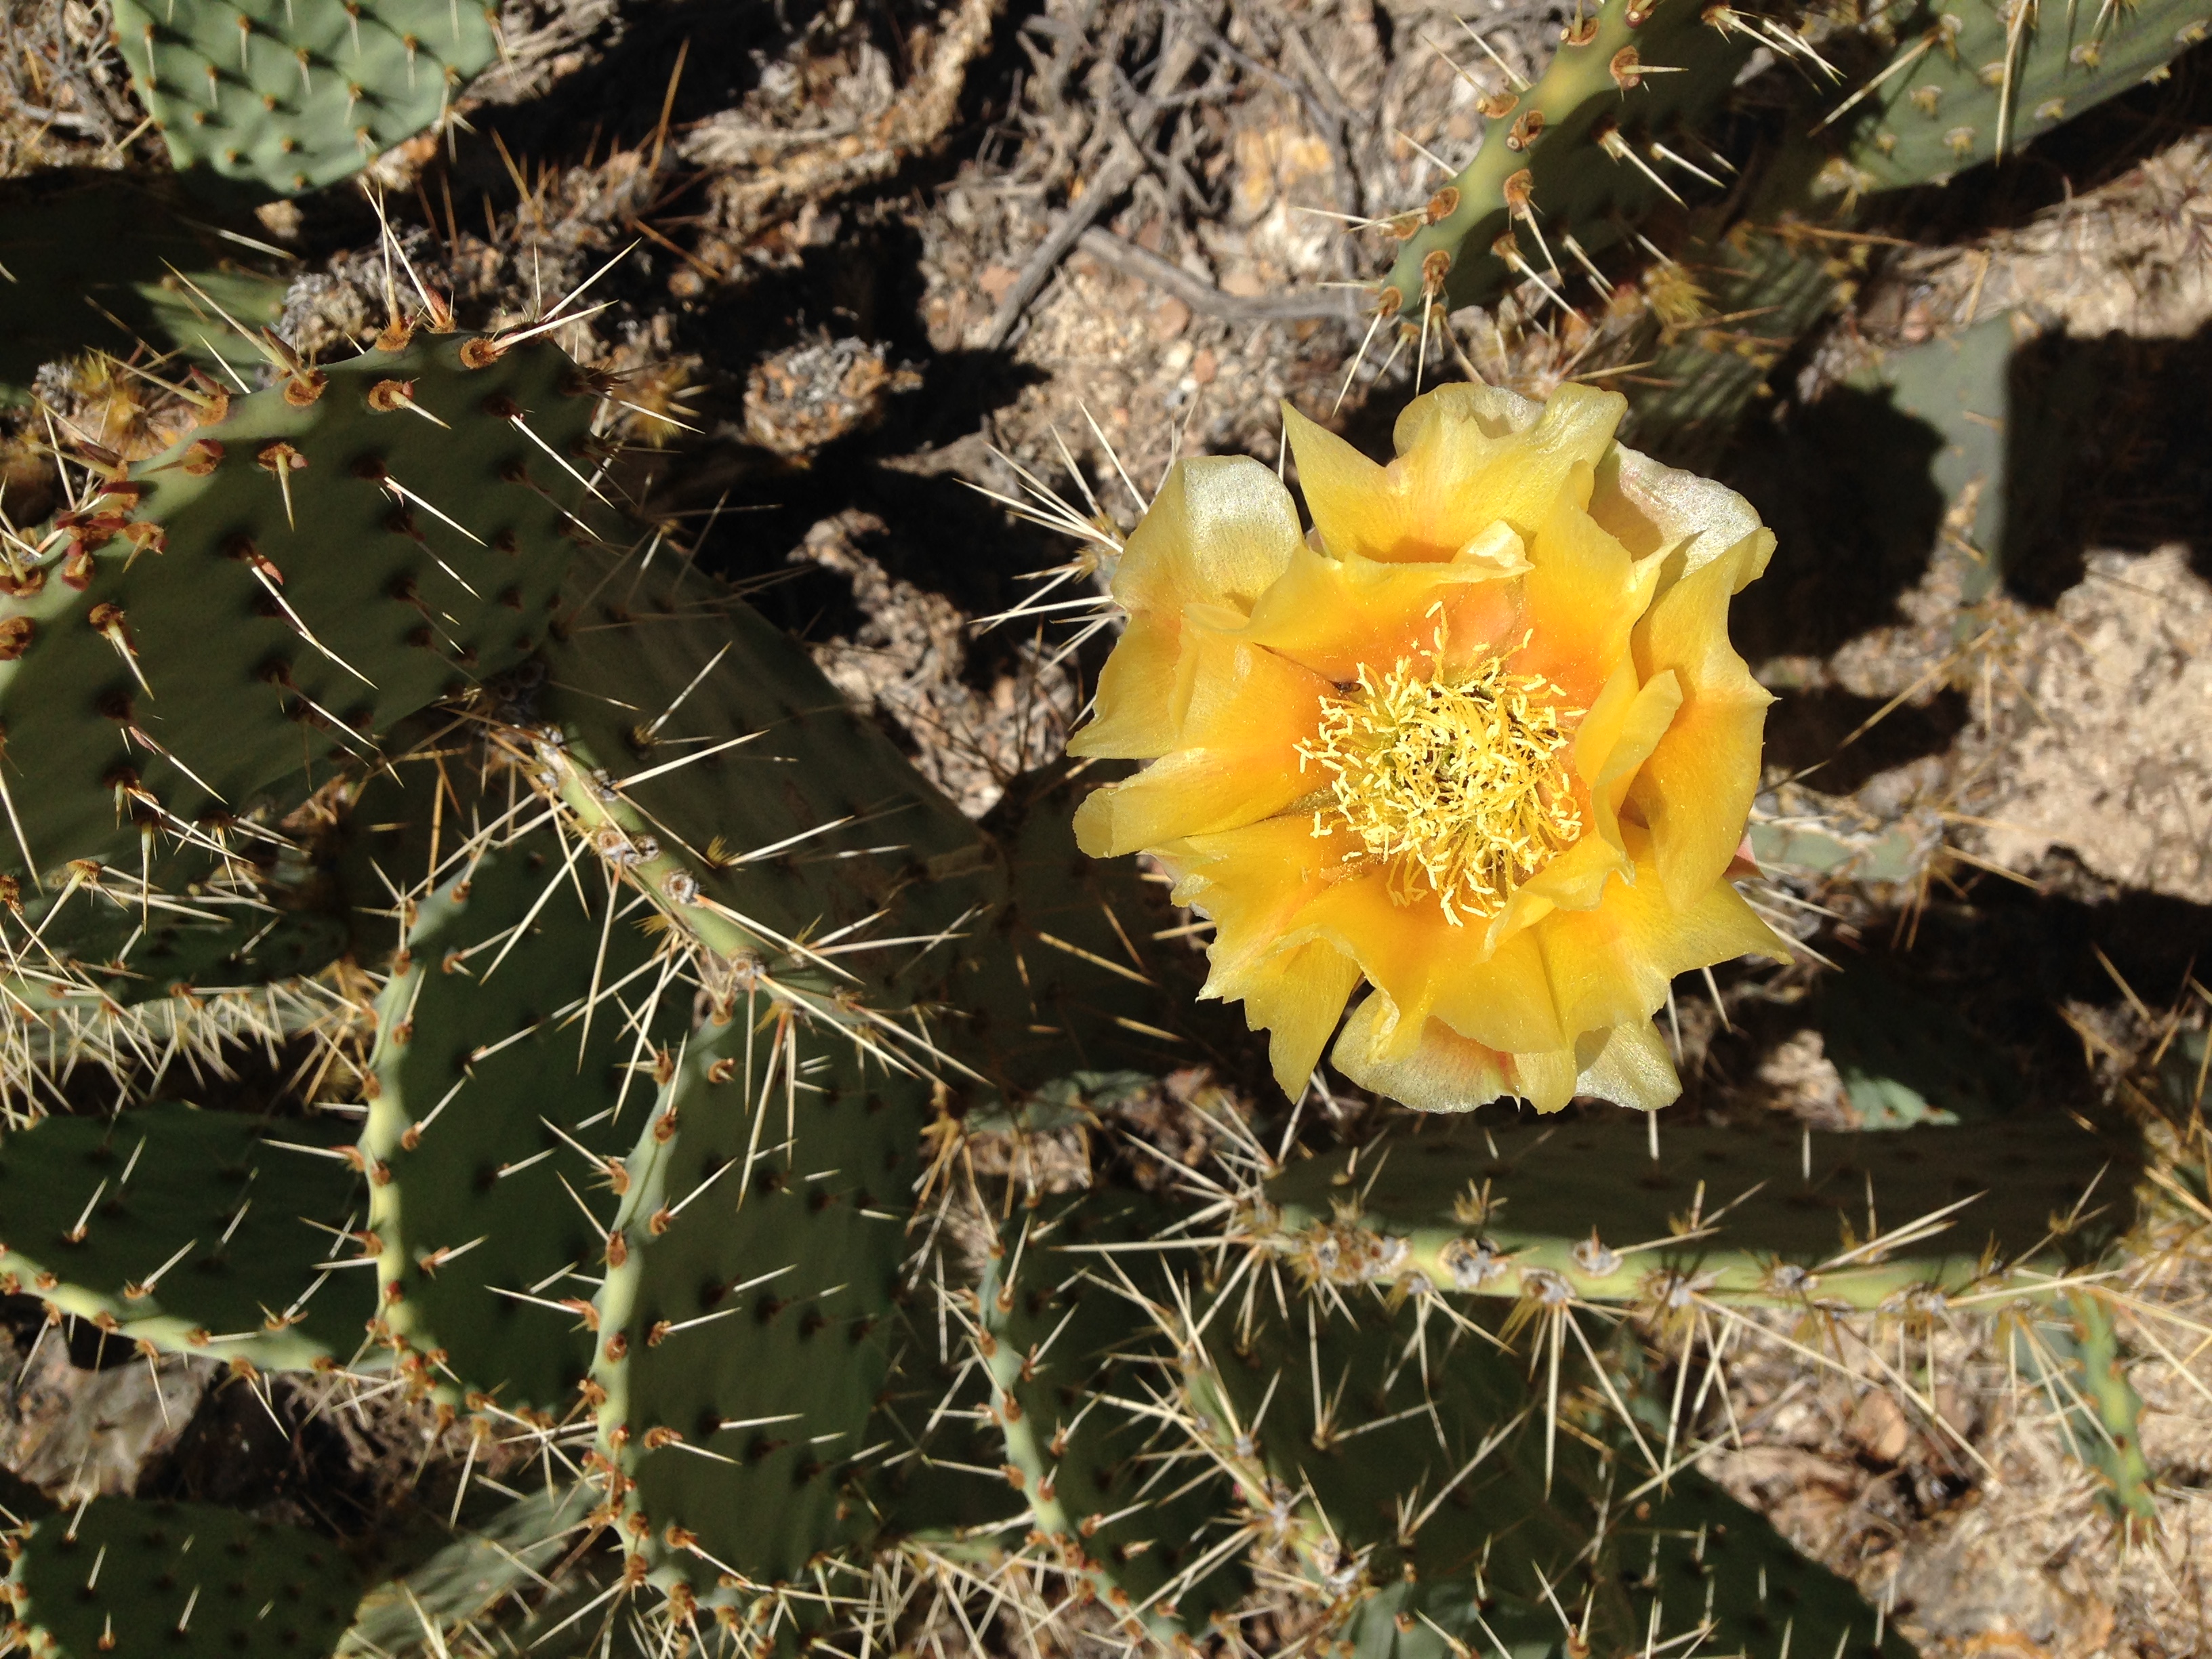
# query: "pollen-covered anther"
x,y
1458,784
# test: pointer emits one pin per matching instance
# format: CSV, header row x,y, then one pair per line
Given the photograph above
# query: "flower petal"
x,y
1298,994
1236,759
1613,963
1628,1065
1546,1078
1220,530
1460,477
1442,1071
1583,591
1252,883
1621,732
1695,791
1648,507
1462,465
1334,615
1136,716
1426,966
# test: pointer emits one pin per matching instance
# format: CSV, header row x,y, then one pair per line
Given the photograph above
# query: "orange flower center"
x,y
1460,786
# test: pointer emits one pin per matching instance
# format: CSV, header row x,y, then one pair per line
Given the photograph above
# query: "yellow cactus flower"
x,y
1479,741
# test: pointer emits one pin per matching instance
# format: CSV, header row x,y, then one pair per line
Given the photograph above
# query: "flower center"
x,y
1461,785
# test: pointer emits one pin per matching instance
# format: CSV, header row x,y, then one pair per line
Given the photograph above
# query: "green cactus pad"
x,y
799,825
480,1073
1979,79
2074,1360
160,665
502,1555
1698,1554
1959,385
1816,847
1386,1450
1068,974
732,783
1772,289
744,1325
90,262
1554,150
131,1579
210,1208
1582,1210
287,95
1157,1536
203,935
1410,1464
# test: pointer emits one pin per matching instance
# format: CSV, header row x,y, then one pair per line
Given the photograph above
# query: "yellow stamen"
x,y
1460,784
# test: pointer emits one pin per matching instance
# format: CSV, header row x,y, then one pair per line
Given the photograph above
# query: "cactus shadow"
x,y
613,100
1806,732
1844,483
2106,446
906,463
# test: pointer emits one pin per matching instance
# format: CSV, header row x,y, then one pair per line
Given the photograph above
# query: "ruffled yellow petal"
x,y
1547,1079
1236,757
1649,508
1443,1071
1222,529
1583,594
1445,440
1628,1065
1503,1001
1461,468
1695,791
1296,996
1617,737
1252,883
1613,963
1426,965
1136,719
1432,1068
1333,614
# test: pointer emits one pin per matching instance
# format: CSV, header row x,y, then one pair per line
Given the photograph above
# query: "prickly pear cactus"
x,y
752,1265
1585,1213
286,95
2072,1356
180,1231
1600,137
236,616
1979,79
496,1104
123,1577
1064,1348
